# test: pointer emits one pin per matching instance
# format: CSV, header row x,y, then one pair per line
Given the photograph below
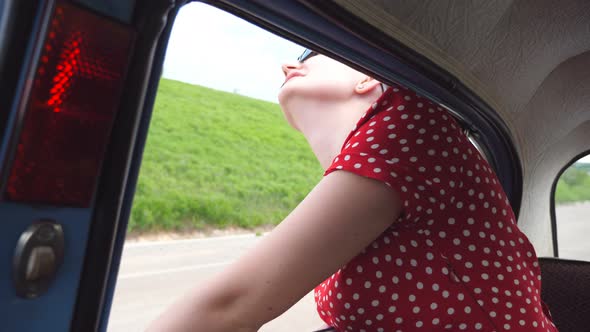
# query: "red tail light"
x,y
71,109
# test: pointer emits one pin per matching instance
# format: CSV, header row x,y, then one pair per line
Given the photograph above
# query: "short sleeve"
x,y
402,142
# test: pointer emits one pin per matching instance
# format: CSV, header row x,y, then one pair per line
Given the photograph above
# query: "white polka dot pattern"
x,y
455,259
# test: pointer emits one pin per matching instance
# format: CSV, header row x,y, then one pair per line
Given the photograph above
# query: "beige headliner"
x,y
529,60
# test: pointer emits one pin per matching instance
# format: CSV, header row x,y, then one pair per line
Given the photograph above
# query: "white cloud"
x,y
215,49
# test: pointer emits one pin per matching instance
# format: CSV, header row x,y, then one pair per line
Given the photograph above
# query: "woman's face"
x,y
317,79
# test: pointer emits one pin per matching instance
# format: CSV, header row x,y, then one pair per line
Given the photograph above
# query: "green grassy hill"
x,y
574,184
219,159
216,159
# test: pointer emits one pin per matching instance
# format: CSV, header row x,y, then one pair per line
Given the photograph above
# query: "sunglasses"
x,y
309,53
306,55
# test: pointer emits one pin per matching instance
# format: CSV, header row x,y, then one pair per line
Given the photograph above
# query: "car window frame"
x,y
552,199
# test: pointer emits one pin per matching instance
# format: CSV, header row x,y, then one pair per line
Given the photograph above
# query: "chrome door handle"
x,y
37,258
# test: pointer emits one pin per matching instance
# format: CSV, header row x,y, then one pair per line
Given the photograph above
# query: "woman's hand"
x,y
344,209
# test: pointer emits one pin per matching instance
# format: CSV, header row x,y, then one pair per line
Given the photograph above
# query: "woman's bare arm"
x,y
341,216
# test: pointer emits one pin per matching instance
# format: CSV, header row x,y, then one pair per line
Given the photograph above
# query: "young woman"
x,y
409,229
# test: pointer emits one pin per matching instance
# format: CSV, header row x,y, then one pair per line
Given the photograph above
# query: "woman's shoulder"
x,y
402,121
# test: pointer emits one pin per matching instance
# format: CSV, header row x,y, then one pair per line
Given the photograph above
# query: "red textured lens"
x,y
71,109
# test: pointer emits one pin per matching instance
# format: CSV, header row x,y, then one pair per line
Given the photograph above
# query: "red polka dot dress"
x,y
454,260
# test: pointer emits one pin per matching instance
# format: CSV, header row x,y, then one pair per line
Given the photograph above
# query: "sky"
x,y
232,55
212,48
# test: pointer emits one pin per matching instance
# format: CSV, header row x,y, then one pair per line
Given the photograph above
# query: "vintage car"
x,y
79,79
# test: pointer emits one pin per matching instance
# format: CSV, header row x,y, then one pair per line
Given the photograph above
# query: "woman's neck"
x,y
326,126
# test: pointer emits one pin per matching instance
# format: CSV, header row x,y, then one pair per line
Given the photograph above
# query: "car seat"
x,y
566,291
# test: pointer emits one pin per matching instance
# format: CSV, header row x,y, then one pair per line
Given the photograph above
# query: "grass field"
x,y
216,159
220,159
574,184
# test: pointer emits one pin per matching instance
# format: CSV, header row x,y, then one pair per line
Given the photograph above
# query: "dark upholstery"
x,y
566,291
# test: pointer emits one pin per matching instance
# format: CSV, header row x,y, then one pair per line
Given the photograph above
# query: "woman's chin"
x,y
287,97
286,94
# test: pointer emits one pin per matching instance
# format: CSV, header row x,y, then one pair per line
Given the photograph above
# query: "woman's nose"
x,y
287,67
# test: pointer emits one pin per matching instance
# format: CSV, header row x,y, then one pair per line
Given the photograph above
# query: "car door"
x,y
78,84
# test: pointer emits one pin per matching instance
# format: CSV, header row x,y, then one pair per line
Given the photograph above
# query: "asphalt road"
x,y
573,230
153,274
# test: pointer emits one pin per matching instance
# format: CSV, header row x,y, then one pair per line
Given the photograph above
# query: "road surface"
x,y
153,274
573,229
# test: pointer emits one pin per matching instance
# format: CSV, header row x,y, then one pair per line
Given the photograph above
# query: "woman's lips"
x,y
291,75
